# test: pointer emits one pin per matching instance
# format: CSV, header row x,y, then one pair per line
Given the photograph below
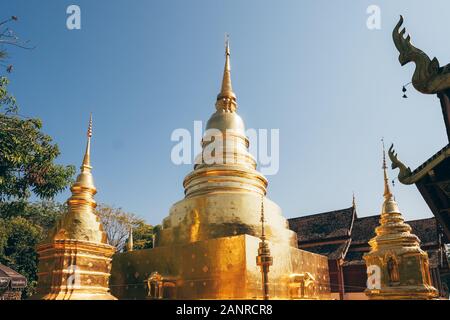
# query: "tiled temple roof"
x,y
333,250
364,229
323,226
10,278
437,158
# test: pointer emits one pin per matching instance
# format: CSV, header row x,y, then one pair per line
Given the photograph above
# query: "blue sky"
x,y
310,68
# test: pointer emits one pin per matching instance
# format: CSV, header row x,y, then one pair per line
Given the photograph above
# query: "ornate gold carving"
x,y
302,286
405,174
428,76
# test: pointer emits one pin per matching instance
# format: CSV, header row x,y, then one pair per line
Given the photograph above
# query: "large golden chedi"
x,y
208,244
75,259
223,193
396,265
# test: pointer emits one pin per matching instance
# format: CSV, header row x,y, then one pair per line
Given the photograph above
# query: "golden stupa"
x,y
75,259
397,267
208,245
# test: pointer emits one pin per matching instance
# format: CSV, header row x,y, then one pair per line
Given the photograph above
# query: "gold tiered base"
x,y
423,292
74,270
413,281
222,268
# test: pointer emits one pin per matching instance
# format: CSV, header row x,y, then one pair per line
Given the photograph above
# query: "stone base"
x,y
74,270
223,268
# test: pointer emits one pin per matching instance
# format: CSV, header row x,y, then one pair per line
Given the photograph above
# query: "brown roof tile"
x,y
332,251
323,226
10,278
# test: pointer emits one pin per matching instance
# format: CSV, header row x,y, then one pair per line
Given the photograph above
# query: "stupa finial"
x,y
226,99
130,243
86,165
263,232
387,191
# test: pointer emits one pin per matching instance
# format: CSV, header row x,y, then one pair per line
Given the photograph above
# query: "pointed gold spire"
x,y
390,206
263,232
264,260
86,165
130,244
82,204
387,191
226,99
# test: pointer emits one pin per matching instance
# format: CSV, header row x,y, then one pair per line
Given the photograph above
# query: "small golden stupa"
x,y
397,267
75,259
209,242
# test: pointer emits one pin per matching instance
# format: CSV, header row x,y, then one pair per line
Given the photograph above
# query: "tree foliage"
x,y
143,236
22,226
27,154
27,158
117,224
27,167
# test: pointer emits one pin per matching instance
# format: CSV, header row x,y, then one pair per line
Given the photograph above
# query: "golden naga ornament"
x,y
397,267
75,259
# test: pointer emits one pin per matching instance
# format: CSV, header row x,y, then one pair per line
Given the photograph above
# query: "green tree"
x,y
22,226
42,213
27,158
143,236
26,153
27,167
20,238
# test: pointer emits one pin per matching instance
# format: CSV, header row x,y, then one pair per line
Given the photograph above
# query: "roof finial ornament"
x,y
86,165
387,191
353,200
429,77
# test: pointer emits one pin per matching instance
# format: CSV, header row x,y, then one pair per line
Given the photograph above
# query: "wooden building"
x,y
343,237
11,284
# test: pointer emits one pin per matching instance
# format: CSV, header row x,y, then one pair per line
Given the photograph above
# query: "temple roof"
x,y
431,163
364,229
10,278
323,226
333,251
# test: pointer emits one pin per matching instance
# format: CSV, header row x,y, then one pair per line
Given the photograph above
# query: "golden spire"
x,y
264,260
130,241
226,99
387,191
263,232
86,165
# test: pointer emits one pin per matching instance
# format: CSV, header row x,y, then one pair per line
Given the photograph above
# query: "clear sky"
x,y
310,68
